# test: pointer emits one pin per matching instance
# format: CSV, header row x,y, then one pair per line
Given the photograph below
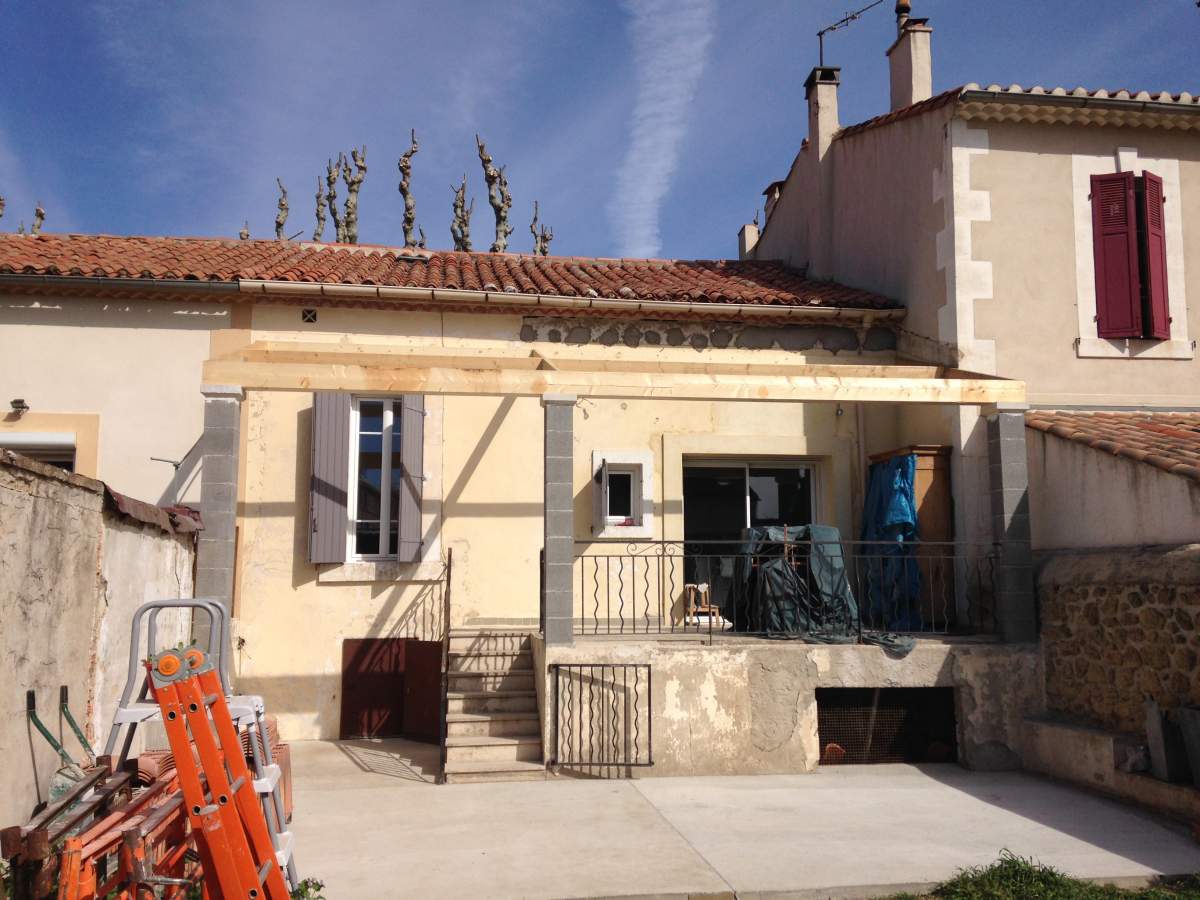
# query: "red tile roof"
x,y
904,112
230,261
1167,440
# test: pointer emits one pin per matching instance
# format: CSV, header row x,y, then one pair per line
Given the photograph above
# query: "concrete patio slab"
x,y
366,833
894,825
369,823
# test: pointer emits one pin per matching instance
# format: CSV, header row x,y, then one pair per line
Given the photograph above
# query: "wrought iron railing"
x,y
834,589
444,713
603,716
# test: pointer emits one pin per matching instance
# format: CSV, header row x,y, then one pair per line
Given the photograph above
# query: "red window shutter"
x,y
1154,254
1115,243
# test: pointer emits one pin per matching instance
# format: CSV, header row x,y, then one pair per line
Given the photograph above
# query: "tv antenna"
x,y
842,23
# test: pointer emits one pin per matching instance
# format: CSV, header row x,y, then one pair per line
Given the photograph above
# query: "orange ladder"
x,y
237,852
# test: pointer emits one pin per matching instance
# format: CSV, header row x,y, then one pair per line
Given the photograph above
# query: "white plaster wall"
x,y
135,363
139,563
1082,498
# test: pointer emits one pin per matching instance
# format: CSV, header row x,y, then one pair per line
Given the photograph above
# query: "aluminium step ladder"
x,y
139,706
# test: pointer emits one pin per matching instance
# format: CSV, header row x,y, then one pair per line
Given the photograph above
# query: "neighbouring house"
x,y
1050,235
600,492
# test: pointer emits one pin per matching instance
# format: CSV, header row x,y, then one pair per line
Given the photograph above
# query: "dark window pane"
x,y
366,538
370,416
393,537
714,503
780,497
620,495
397,474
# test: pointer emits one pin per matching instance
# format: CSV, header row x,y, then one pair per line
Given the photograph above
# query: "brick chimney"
x,y
910,59
821,92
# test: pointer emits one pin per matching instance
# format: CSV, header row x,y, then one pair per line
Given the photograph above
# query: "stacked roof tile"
x,y
230,261
1167,440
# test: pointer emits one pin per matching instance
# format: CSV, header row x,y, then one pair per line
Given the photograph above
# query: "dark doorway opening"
x,y
886,725
391,687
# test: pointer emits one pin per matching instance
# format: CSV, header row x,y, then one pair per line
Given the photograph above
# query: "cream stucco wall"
x,y
133,364
1113,501
1030,241
482,500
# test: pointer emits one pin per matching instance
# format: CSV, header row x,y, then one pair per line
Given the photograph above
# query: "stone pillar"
x,y
559,519
1009,481
218,498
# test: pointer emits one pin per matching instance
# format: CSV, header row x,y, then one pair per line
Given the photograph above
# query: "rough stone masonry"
x,y
1118,627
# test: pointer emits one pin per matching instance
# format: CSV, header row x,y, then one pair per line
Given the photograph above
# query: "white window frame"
x,y
44,446
746,464
640,465
389,414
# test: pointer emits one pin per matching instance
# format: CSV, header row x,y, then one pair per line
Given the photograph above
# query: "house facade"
x,y
392,441
1048,235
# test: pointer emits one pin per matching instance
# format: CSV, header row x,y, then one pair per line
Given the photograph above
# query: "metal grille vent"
x,y
886,725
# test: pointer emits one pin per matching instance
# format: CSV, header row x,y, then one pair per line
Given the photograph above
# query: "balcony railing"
x,y
825,590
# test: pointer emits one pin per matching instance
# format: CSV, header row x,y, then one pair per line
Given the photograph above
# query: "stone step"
x,y
491,701
489,641
491,681
470,772
468,661
495,724
493,749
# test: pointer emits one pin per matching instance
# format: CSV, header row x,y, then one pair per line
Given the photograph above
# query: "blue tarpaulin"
x,y
893,578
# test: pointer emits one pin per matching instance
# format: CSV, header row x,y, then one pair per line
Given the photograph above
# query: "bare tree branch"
x,y
281,216
410,205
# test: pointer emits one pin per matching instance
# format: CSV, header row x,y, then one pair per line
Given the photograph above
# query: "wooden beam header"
x,y
433,370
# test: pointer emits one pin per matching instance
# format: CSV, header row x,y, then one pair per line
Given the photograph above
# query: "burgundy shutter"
x,y
328,483
412,484
1114,239
1154,254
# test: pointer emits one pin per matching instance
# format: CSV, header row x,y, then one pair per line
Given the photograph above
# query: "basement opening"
x,y
858,726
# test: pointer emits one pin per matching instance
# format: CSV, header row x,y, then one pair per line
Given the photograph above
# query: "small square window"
x,y
620,498
308,315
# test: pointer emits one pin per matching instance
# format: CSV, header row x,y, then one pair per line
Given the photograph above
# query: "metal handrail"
x,y
442,724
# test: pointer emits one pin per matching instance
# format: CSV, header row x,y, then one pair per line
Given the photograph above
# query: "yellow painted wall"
x,y
482,500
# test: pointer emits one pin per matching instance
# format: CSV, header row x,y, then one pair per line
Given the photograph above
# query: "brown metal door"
x,y
372,687
422,690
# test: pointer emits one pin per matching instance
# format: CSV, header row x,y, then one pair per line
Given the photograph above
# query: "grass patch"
x,y
1015,878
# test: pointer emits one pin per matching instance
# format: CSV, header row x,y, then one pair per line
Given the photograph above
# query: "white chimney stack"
x,y
910,59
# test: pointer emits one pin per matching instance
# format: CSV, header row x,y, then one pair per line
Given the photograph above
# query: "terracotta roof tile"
x,y
218,260
1166,440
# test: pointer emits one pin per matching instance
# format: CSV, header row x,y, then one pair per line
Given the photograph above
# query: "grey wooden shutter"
x,y
328,487
412,484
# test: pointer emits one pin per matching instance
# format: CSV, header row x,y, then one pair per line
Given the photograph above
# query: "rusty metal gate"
x,y
602,715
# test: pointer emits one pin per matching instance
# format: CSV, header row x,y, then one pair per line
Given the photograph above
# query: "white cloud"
x,y
670,43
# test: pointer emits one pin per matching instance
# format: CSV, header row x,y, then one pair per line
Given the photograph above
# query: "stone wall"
x,y
1119,626
73,567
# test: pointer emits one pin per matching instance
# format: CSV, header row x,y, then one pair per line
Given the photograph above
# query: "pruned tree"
x,y
1,206
319,231
410,205
421,232
354,180
282,215
332,171
460,228
21,227
244,234
39,216
541,236
497,194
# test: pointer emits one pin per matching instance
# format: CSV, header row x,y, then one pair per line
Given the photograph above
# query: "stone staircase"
x,y
492,727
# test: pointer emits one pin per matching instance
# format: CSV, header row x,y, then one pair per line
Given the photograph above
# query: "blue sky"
x,y
643,128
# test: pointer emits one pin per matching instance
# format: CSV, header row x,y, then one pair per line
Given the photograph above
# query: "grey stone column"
x,y
218,498
559,519
1015,598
